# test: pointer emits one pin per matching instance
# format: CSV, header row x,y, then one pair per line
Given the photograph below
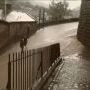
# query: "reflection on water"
x,y
75,74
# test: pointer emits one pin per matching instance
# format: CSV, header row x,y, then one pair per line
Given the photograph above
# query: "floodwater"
x,y
65,34
75,73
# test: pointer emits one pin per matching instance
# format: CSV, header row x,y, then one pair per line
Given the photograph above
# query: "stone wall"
x,y
4,33
83,32
13,32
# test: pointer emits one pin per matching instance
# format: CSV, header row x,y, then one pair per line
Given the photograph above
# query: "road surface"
x,y
62,33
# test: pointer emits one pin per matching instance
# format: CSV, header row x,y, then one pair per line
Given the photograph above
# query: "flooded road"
x,y
75,73
44,37
62,33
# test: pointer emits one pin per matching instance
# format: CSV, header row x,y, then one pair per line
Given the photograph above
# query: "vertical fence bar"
x,y
29,68
9,75
19,71
41,63
30,86
25,69
13,70
16,69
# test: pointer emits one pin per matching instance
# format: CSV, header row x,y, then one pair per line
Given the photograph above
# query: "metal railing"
x,y
27,67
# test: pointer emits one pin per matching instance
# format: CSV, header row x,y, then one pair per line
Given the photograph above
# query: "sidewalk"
x,y
75,72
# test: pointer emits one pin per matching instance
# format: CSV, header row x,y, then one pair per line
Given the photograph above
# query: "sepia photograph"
x,y
44,45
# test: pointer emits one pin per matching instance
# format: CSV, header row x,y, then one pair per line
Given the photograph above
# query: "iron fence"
x,y
27,67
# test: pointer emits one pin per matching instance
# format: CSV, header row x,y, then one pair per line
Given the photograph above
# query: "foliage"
x,y
1,4
57,11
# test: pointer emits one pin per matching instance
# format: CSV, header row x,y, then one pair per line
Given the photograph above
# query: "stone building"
x,y
20,24
4,33
83,32
16,26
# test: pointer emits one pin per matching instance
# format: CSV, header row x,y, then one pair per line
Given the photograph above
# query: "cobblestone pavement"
x,y
75,73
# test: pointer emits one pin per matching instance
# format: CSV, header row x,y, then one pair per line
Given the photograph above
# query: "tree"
x,y
1,4
57,11
2,7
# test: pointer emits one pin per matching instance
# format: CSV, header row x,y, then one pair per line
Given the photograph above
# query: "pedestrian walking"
x,y
25,41
22,45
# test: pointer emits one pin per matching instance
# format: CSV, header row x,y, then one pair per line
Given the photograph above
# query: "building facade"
x,y
20,25
4,33
83,32
16,26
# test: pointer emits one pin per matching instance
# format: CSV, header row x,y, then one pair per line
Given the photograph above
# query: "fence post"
x,y
9,75
55,52
41,63
16,70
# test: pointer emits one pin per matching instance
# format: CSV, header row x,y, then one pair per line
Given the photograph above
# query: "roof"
x,y
17,16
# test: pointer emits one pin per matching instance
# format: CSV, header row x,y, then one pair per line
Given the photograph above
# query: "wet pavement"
x,y
75,72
